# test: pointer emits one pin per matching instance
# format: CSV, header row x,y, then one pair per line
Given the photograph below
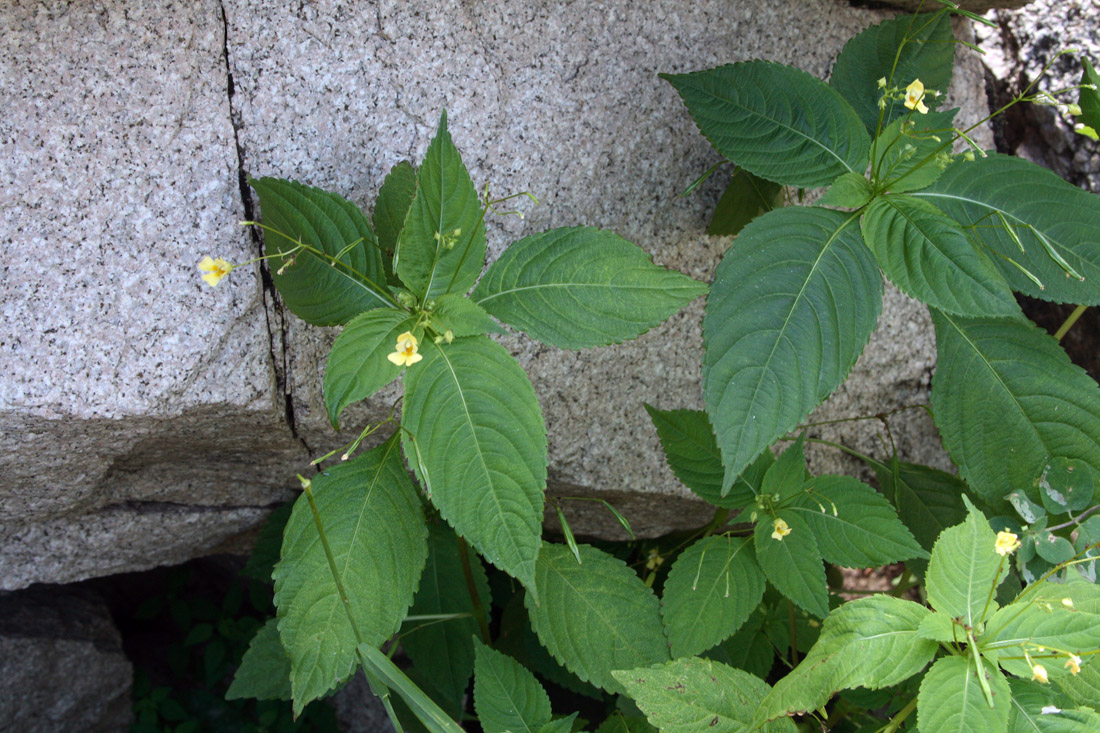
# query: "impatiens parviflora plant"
x,y
968,663
798,293
365,552
1023,665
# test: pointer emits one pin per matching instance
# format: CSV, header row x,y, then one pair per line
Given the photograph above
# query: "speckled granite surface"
x,y
132,394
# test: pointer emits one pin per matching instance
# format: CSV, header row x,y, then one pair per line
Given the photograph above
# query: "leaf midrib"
x,y
577,285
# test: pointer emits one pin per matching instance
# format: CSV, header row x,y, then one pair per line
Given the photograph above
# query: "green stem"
x,y
471,588
794,634
897,720
1076,520
721,516
1077,312
429,713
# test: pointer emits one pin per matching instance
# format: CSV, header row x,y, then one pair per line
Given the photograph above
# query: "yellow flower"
x,y
406,353
781,530
1073,664
1007,543
1068,603
1039,674
215,269
914,97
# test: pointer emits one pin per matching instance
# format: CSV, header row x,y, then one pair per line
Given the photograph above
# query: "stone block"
x,y
145,418
62,663
132,395
1019,47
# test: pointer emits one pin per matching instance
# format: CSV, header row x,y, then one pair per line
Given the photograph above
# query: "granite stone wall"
x,y
146,418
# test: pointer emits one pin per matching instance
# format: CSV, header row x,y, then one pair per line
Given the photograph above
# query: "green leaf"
x,y
748,649
929,257
264,673
853,524
269,542
942,628
906,161
1067,486
579,287
1088,536
951,698
312,288
595,617
474,435
1033,201
690,695
711,589
793,564
507,697
1029,699
377,664
745,198
964,570
928,500
442,652
870,642
794,301
1083,688
394,199
1028,510
692,454
619,723
775,121
560,725
787,476
357,364
441,248
849,191
928,54
1054,549
462,317
1089,99
1007,399
1025,625
375,529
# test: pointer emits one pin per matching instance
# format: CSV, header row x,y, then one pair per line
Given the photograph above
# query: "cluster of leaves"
x,y
372,560
207,643
366,552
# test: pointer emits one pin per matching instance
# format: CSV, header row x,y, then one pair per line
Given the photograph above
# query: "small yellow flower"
x,y
914,97
1039,674
1073,664
1007,543
406,353
881,82
215,269
654,560
1068,603
781,530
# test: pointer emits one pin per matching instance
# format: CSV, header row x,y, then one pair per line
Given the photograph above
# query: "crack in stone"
x,y
273,311
137,506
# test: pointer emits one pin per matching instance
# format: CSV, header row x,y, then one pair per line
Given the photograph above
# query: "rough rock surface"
x,y
1018,49
62,663
358,710
133,397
